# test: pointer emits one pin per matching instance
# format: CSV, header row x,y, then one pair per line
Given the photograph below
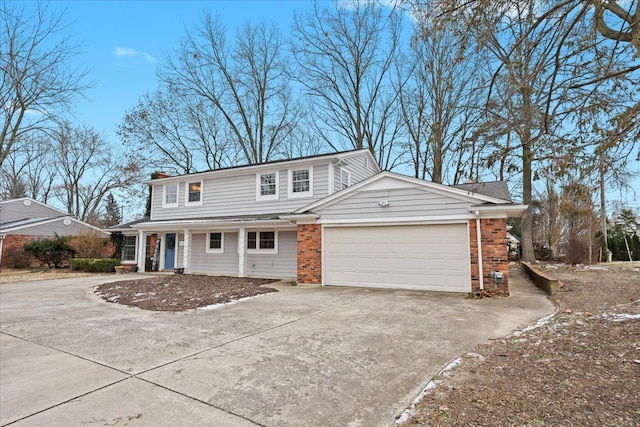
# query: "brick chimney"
x,y
159,175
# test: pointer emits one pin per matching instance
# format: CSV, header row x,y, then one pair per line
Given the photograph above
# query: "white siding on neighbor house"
x,y
15,210
284,264
403,202
225,263
58,227
236,195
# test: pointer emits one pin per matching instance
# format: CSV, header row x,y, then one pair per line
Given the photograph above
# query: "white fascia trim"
x,y
301,218
490,211
49,221
212,225
414,220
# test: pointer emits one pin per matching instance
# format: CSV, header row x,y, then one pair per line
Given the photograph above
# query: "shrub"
x,y
91,265
53,252
90,246
15,257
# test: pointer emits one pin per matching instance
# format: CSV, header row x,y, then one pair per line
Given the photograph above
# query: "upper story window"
x,y
262,242
300,183
215,243
267,186
345,179
170,196
194,193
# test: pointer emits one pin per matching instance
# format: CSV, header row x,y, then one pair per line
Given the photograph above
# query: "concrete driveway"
x,y
306,356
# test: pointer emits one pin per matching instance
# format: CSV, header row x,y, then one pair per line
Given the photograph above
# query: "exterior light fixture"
x,y
383,203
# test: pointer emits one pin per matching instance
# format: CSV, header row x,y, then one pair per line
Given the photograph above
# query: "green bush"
x,y
53,252
91,265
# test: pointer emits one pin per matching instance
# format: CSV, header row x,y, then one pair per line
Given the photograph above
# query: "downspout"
x,y
479,239
2,236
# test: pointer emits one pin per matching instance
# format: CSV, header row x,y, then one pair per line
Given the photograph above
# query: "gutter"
x,y
479,240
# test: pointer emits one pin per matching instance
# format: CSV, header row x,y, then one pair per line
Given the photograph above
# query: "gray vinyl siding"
x,y
356,165
58,227
284,264
225,263
15,210
236,195
403,202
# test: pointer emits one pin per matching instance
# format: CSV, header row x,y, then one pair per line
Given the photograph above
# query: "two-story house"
x,y
332,219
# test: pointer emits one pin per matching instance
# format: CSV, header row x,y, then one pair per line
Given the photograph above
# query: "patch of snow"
x,y
215,306
541,322
476,356
596,268
620,317
433,383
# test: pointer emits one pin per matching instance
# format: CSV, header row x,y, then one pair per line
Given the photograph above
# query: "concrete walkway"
x,y
307,356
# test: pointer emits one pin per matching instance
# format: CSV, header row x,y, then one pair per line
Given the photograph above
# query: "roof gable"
x,y
390,180
26,208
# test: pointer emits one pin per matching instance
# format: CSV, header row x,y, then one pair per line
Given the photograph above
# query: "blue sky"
x,y
125,41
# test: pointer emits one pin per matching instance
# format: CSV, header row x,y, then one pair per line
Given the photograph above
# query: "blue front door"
x,y
170,251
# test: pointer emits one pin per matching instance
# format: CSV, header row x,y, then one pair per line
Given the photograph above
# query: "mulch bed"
x,y
182,292
582,368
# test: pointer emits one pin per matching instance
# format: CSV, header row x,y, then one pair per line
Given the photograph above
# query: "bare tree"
x,y
344,55
39,81
186,136
244,84
88,171
440,102
28,169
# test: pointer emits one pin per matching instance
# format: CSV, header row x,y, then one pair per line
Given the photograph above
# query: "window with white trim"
x,y
300,183
170,196
262,242
267,186
194,193
215,243
129,248
345,179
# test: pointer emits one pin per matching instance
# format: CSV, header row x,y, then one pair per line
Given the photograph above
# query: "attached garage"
x,y
397,232
422,257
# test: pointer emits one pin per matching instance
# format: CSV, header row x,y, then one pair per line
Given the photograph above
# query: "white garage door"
x,y
425,257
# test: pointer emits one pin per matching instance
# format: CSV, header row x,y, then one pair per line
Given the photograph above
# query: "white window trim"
x,y
257,250
302,194
259,196
135,252
164,196
186,193
214,251
348,178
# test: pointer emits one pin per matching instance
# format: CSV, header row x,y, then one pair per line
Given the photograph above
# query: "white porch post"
x,y
186,250
242,251
140,252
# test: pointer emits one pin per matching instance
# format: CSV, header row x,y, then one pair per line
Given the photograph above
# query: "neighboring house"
x,y
332,219
25,220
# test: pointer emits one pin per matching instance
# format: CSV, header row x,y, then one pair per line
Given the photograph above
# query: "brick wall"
x,y
309,245
494,254
17,241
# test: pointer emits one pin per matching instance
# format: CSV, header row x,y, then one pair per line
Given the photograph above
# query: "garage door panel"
x,y
430,257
